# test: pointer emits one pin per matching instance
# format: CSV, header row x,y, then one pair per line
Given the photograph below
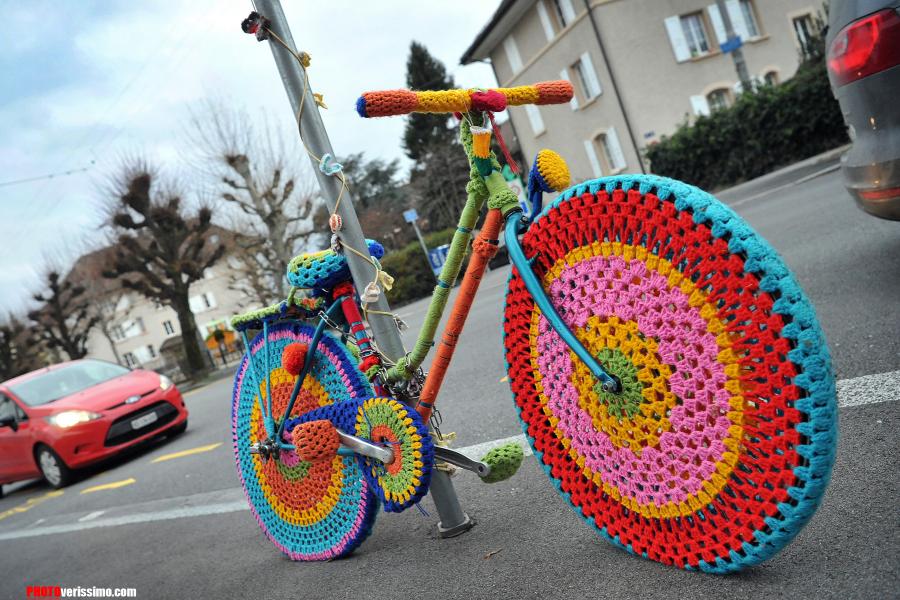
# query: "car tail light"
x,y
883,194
869,45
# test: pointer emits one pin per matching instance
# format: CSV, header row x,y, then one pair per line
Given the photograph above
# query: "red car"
x,y
70,415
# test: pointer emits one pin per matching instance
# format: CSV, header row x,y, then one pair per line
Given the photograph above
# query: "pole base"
x,y
450,532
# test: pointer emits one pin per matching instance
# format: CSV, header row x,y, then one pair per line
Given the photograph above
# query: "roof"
x,y
507,14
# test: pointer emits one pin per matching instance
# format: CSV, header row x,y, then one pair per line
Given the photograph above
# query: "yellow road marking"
x,y
197,450
505,379
29,504
108,486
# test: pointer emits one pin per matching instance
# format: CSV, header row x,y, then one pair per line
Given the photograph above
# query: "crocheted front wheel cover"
x,y
720,446
405,480
310,510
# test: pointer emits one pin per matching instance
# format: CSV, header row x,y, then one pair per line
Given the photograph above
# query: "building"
x,y
639,68
134,328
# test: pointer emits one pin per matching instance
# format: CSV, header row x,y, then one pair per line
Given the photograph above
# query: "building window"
x,y
749,19
564,12
805,32
695,34
168,327
130,361
771,78
512,54
117,333
718,99
588,83
534,117
605,153
151,351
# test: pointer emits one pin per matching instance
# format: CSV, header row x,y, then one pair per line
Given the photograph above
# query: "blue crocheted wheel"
x,y
324,269
310,510
720,446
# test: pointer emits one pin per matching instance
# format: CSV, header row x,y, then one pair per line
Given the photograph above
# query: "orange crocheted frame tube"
x,y
483,249
401,102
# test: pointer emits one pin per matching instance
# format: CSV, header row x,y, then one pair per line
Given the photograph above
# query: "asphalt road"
x,y
180,529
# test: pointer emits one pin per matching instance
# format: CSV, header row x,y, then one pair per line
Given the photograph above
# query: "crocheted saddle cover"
x,y
309,510
720,446
324,269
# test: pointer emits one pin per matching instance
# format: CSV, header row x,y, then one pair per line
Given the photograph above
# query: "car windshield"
x,y
64,381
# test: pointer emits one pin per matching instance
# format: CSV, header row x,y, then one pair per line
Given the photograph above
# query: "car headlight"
x,y
70,418
165,383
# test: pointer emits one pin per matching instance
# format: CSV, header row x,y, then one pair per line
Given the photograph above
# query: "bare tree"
x,y
18,348
276,198
162,248
64,319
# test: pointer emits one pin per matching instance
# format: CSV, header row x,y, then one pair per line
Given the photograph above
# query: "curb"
x,y
761,180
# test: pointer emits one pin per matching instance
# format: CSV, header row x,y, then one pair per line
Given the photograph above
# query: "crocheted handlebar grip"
x,y
402,102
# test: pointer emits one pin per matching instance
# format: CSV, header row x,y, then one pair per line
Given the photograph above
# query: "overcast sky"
x,y
85,83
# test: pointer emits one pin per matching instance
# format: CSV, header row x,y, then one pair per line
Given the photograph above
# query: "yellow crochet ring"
x,y
553,169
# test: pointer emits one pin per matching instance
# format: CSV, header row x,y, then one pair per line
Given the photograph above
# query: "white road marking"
x,y
859,391
91,516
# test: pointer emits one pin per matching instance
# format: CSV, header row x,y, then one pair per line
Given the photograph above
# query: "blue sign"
x,y
437,257
732,44
410,215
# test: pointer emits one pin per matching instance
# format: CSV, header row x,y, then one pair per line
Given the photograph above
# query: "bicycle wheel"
x,y
720,446
310,510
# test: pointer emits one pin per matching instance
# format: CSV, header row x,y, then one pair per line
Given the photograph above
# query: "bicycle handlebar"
x,y
401,102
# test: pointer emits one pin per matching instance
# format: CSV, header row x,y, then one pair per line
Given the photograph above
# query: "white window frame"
x,y
546,23
700,106
587,77
725,93
512,54
592,158
565,13
534,117
612,148
694,30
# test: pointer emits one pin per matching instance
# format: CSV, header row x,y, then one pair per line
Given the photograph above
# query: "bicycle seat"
x,y
324,269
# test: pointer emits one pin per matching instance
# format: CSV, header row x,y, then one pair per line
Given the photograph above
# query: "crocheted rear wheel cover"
x,y
405,481
721,445
311,511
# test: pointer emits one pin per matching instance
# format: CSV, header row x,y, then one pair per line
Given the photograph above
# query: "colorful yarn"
x,y
297,308
504,461
293,357
401,102
550,172
316,441
310,510
324,269
720,446
404,481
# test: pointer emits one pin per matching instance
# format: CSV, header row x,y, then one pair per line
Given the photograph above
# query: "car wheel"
x,y
178,429
52,467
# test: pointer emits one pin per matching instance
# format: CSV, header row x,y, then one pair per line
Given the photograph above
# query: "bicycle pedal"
x,y
503,461
316,441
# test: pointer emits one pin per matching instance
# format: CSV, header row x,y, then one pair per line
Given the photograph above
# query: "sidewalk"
x,y
784,177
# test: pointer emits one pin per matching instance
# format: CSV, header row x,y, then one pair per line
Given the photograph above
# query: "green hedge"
x,y
764,130
409,267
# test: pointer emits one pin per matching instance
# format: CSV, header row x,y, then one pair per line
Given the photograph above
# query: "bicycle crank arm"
x,y
462,461
366,448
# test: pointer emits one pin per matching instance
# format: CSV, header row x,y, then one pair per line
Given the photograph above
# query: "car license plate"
x,y
143,421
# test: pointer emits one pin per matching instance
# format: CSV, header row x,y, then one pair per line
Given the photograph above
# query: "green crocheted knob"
x,y
504,461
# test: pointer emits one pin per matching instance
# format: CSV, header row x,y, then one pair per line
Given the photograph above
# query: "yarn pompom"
x,y
293,357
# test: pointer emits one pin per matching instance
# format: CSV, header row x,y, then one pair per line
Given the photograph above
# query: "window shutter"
x,y
534,115
512,54
573,103
737,19
210,299
615,149
592,157
591,74
700,105
545,21
568,13
196,304
718,25
676,38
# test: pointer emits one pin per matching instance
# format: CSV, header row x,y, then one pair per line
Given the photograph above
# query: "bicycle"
x,y
669,372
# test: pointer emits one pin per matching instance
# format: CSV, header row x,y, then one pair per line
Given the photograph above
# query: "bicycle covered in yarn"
x,y
668,370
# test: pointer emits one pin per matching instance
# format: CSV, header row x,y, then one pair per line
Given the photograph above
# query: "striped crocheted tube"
x,y
401,102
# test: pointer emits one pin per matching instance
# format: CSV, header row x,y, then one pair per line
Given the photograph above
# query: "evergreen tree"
x,y
424,72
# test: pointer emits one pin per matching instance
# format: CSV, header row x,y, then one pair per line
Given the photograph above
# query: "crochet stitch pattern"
x,y
310,510
720,446
324,269
405,481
